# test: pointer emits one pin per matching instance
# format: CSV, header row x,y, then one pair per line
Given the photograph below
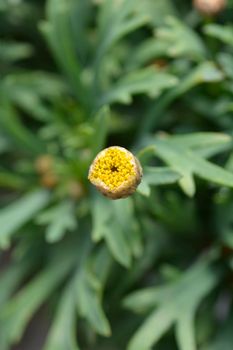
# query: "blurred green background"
x,y
77,270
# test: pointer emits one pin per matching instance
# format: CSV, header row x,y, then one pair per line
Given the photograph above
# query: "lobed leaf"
x,y
88,300
187,163
185,294
114,221
59,220
147,80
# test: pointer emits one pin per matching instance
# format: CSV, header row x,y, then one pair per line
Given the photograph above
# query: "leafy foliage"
x,y
152,271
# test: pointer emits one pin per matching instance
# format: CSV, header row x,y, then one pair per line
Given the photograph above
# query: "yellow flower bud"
x,y
115,172
209,7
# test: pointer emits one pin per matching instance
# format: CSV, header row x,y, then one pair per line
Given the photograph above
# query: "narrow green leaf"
x,y
19,212
102,216
187,184
156,176
145,299
16,131
185,332
10,279
118,244
200,140
12,51
10,180
16,314
225,60
152,329
116,19
101,126
125,219
160,175
211,172
144,188
63,331
58,32
221,32
88,292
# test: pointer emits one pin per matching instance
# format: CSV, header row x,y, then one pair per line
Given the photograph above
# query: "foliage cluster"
x,y
153,271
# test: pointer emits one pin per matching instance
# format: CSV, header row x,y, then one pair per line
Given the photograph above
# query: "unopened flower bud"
x,y
44,163
115,172
209,7
49,180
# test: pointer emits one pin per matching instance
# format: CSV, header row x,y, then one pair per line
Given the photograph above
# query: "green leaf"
x,y
158,11
148,51
198,141
88,296
147,80
11,279
156,176
206,144
59,219
4,144
187,163
10,180
125,219
225,60
100,126
15,215
16,131
13,51
185,334
220,32
186,294
114,221
152,329
59,34
116,19
81,10
204,72
32,90
16,314
118,245
63,331
181,40
101,215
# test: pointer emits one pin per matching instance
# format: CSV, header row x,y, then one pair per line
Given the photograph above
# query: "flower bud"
x,y
44,163
115,172
209,7
49,180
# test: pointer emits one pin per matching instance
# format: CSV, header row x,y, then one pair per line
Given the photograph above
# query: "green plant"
x,y
154,77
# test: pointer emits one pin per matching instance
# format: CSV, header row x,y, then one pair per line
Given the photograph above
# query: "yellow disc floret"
x,y
115,172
